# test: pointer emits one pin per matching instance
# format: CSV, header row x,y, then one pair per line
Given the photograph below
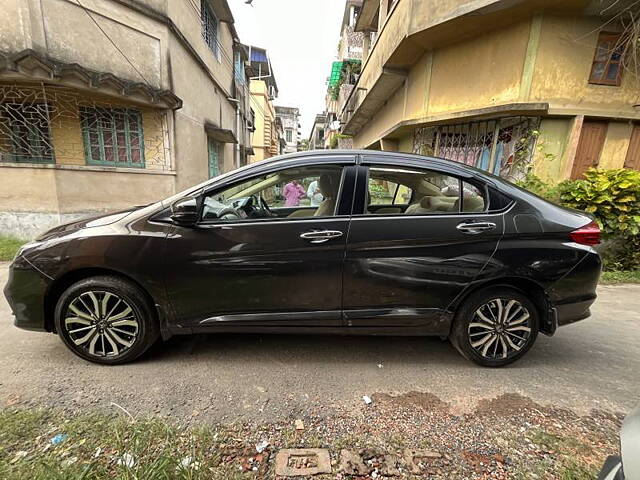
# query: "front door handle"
x,y
320,236
474,228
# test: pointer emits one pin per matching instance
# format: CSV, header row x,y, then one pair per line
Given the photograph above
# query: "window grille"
x,y
25,133
112,136
209,26
475,143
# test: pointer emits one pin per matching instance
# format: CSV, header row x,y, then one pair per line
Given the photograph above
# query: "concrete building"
x,y
106,104
264,90
500,84
344,74
290,118
316,137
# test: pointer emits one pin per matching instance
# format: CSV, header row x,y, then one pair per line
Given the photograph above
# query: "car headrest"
x,y
328,185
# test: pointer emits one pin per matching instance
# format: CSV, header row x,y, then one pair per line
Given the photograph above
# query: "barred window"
x,y
112,136
209,26
24,133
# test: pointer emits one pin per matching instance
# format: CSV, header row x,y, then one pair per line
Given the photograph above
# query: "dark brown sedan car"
x,y
341,242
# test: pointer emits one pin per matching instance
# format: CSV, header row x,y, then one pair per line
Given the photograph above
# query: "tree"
x,y
303,145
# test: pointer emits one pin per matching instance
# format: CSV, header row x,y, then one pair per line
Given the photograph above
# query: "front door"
x,y
249,262
590,145
403,269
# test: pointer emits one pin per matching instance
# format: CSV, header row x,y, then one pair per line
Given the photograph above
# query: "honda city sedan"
x,y
333,242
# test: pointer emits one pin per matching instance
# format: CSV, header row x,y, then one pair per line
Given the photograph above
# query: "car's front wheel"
x,y
495,326
106,320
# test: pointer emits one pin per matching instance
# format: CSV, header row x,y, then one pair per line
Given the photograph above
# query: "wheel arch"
x,y
69,278
531,289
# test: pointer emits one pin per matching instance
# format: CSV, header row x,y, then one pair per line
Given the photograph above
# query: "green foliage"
x,y
377,190
617,277
350,69
612,196
541,188
8,247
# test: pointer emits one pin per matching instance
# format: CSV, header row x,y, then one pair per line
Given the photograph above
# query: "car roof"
x,y
345,156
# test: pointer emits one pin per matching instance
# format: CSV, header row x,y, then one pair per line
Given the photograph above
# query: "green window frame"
x,y
112,136
214,157
25,131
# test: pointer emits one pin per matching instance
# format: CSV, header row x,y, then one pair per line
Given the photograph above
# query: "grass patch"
x,y
8,247
100,446
614,278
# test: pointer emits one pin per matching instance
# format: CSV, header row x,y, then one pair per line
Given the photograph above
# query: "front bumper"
x,y
25,291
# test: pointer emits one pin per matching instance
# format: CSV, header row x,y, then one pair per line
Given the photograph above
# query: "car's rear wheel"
x,y
495,326
106,320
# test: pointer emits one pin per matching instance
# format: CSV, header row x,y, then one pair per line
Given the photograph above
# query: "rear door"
x,y
402,270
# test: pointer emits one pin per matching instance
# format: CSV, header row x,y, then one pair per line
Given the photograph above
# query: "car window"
x,y
420,192
387,192
310,191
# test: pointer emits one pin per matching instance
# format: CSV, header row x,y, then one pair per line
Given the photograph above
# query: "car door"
x,y
275,271
402,270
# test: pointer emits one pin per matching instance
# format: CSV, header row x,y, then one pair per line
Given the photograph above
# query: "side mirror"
x,y
184,212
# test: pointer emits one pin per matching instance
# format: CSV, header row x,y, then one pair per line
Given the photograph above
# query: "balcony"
x,y
413,27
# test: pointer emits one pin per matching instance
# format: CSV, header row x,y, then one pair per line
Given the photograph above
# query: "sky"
x,y
301,37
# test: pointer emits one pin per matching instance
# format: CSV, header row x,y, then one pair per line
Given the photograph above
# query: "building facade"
x,y
344,74
108,104
317,135
264,90
504,85
290,118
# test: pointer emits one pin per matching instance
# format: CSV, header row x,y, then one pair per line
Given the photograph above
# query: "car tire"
x,y
495,326
106,320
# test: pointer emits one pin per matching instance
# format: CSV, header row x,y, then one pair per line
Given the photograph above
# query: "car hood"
x,y
94,221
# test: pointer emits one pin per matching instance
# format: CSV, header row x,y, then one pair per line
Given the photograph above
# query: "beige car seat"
x,y
328,186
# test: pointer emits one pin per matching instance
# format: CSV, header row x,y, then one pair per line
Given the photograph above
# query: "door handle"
x,y
320,236
474,228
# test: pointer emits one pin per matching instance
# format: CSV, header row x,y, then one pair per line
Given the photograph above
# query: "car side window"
x,y
309,191
420,192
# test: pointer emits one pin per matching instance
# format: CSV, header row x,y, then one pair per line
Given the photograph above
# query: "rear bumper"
x,y
572,296
573,312
25,291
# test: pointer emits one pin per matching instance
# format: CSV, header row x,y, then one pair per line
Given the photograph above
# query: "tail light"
x,y
587,235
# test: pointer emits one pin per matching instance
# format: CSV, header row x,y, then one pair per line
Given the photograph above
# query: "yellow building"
x,y
264,89
499,84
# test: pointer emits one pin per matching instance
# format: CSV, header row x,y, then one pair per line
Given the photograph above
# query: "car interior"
x,y
391,191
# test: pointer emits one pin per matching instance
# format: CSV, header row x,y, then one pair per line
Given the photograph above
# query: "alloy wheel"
x,y
101,323
500,328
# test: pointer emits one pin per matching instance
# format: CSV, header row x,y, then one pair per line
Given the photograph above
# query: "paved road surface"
x,y
592,364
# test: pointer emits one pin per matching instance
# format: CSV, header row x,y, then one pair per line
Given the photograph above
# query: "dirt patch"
x,y
426,401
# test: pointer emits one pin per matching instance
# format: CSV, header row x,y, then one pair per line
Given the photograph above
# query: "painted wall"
x,y
475,73
63,30
563,65
614,151
549,159
265,115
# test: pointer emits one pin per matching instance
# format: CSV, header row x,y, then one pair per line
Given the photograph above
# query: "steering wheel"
x,y
256,207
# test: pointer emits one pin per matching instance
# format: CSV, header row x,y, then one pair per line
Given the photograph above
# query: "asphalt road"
x,y
593,364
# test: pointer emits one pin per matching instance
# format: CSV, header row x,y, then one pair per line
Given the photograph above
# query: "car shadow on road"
x,y
302,348
331,349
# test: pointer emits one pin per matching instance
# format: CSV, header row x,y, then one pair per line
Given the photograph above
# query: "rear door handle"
x,y
474,228
320,236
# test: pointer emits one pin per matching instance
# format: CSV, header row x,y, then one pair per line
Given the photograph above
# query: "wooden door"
x,y
590,146
633,154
